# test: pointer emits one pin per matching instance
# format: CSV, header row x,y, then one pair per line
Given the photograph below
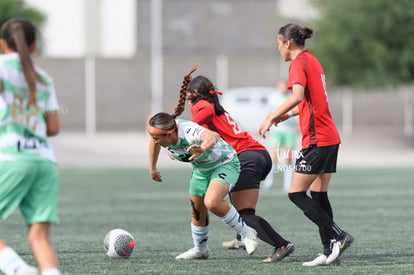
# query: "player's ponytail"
x,y
296,33
20,34
181,101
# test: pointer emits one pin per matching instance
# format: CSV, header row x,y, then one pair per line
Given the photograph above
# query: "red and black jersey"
x,y
315,119
203,114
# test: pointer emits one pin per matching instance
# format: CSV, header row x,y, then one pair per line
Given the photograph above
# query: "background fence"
x,y
123,92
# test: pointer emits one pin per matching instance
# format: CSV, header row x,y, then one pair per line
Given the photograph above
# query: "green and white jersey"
x,y
189,134
23,130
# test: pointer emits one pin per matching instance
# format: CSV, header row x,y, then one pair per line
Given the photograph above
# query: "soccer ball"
x,y
119,243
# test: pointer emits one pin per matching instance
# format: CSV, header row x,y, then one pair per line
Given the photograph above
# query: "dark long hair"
x,y
163,121
205,91
20,34
181,101
296,33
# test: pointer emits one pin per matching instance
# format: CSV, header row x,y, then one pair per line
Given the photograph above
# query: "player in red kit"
x,y
255,161
320,140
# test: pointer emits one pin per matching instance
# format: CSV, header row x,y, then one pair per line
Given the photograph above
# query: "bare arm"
x,y
154,152
280,113
208,140
52,123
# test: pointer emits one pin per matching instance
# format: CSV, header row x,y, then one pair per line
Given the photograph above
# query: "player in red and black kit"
x,y
255,161
320,142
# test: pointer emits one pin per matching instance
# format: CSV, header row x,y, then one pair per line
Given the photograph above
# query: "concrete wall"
x,y
124,91
197,32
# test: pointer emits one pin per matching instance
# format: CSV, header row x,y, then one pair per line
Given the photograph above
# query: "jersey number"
x,y
236,128
20,114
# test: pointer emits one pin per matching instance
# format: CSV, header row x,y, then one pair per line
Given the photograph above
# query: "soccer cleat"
x,y
234,244
339,247
27,270
320,260
338,261
192,253
280,253
250,240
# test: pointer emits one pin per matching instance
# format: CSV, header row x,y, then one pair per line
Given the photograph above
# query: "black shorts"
x,y
254,167
317,160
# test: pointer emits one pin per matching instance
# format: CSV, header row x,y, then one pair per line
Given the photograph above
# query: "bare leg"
x,y
38,236
321,184
3,244
199,211
214,199
245,198
302,182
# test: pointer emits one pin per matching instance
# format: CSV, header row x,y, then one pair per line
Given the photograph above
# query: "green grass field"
x,y
376,206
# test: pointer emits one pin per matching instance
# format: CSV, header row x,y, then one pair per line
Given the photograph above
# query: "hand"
x,y
282,118
195,150
155,175
265,126
171,156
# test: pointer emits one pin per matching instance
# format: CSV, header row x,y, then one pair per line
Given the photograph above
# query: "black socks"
x,y
316,213
264,230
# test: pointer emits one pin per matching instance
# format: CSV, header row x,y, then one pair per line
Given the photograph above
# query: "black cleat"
x,y
280,253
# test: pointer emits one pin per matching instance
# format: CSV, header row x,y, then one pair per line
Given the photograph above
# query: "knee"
x,y
210,203
296,197
38,232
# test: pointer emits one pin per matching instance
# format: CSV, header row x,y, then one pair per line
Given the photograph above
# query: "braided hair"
x,y
181,101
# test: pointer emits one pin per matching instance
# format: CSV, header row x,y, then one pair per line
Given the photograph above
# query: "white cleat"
x,y
339,247
334,253
27,270
233,244
250,240
193,253
320,260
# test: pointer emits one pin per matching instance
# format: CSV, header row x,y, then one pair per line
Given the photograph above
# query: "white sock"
x,y
10,261
200,236
287,178
233,219
51,271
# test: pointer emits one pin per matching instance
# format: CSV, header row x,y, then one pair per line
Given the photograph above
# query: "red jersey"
x,y
203,114
315,119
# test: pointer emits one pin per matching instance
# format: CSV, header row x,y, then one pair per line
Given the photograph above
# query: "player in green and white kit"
x,y
216,169
282,139
29,177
